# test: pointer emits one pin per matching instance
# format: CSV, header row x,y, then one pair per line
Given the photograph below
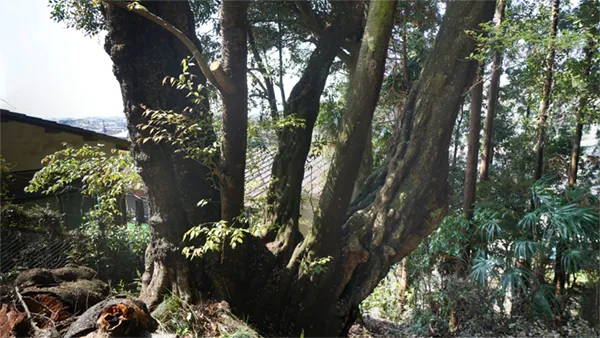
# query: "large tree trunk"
x,y
175,184
543,114
486,155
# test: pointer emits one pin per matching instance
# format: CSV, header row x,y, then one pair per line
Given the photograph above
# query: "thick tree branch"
x,y
356,124
288,167
412,197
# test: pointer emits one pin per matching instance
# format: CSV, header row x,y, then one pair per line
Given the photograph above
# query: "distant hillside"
x,y
106,125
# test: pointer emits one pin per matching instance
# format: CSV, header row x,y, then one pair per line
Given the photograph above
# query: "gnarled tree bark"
x,y
175,184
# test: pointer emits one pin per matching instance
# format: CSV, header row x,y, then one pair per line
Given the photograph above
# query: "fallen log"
x,y
43,302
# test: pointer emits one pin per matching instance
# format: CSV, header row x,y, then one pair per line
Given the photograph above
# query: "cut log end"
x,y
222,79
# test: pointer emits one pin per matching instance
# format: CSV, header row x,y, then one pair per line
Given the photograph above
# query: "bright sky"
x,y
49,71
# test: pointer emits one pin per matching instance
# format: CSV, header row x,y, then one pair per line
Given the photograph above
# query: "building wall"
x,y
24,145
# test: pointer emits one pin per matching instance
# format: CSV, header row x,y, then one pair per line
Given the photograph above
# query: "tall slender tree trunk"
x,y
579,118
559,271
543,114
280,54
470,188
457,134
403,285
486,155
542,260
234,49
473,146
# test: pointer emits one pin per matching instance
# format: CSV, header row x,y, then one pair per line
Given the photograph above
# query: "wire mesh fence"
x,y
26,250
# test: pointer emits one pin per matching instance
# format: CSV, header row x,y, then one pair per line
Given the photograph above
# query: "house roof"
x,y
259,171
8,116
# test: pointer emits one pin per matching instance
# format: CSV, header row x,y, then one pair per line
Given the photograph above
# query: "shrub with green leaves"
x,y
116,252
31,218
96,172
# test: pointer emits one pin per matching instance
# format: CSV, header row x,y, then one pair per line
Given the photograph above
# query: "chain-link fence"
x,y
28,249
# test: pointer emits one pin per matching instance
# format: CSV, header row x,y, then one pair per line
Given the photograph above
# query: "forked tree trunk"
x,y
486,155
543,114
285,189
294,142
343,258
317,286
175,184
